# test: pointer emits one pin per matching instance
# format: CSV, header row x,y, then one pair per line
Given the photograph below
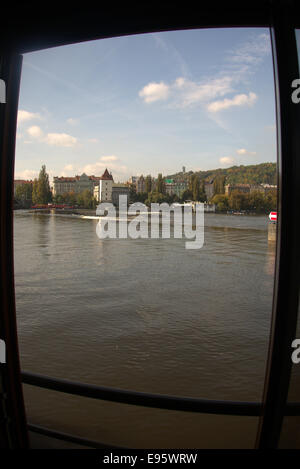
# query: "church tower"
x,y
105,187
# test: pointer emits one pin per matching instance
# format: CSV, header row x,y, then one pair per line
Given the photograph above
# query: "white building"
x,y
77,184
103,191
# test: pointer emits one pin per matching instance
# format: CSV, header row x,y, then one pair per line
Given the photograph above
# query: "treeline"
x,y
263,173
255,201
39,193
195,191
82,199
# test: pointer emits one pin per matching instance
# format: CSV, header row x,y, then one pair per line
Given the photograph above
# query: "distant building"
x,y
20,182
132,180
257,188
180,187
169,186
176,187
140,185
209,189
117,190
103,190
229,188
183,169
269,187
248,188
77,184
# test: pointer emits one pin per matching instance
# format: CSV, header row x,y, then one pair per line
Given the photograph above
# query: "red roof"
x,y
22,181
75,178
106,176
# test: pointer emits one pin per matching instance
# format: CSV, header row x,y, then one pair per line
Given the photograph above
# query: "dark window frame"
x,y
84,25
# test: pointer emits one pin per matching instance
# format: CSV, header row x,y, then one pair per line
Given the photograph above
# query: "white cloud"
x,y
57,139
109,158
226,160
93,140
238,100
185,92
24,116
60,140
252,51
190,92
243,151
69,167
35,131
97,168
154,92
27,174
68,170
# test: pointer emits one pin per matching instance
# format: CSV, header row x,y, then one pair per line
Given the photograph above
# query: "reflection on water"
x,y
143,314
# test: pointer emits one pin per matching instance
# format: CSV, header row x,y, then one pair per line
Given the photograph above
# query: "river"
x,y
144,315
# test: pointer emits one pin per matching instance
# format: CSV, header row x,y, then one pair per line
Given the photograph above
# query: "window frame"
x,y
281,18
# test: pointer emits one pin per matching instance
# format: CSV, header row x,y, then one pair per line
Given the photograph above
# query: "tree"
x,y
41,193
35,192
271,200
219,185
85,199
24,195
237,200
186,195
158,198
202,194
148,184
257,201
221,201
160,186
195,187
58,199
132,193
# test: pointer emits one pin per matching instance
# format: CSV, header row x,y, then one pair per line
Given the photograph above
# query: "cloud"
x,y
97,168
57,139
35,131
189,92
72,121
185,93
154,92
68,170
60,140
238,100
109,158
93,140
69,167
226,160
243,151
252,51
25,116
27,174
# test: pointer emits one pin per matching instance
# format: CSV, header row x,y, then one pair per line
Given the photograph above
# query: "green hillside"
x,y
264,173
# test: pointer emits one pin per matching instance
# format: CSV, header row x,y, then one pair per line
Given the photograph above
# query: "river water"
x,y
144,315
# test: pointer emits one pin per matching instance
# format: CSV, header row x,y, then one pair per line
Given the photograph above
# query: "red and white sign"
x,y
273,216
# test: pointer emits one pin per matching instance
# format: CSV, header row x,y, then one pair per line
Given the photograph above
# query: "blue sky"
x,y
148,103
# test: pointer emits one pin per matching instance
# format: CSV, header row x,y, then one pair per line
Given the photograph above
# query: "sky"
x,y
148,104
